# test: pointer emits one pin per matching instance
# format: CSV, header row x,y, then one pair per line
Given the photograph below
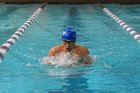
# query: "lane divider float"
x,y
123,24
12,40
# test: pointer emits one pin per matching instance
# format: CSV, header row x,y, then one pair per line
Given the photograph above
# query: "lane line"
x,y
12,40
123,24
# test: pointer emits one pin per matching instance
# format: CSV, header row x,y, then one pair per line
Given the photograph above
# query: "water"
x,y
115,70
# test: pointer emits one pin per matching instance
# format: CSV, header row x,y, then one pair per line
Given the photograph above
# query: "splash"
x,y
0,60
64,59
29,64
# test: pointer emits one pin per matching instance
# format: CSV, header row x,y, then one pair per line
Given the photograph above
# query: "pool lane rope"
x,y
122,23
12,40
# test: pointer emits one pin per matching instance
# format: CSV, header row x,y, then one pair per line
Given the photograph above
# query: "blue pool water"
x,y
115,70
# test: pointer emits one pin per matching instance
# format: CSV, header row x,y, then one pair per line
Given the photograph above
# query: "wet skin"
x,y
70,46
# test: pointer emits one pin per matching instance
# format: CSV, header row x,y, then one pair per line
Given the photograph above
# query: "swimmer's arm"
x,y
50,54
86,58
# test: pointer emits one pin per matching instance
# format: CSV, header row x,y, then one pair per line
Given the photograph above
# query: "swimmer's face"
x,y
69,45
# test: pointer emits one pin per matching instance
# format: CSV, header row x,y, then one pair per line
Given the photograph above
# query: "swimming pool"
x,y
115,70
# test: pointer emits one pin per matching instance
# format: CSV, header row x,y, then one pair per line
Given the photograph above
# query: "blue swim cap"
x,y
69,34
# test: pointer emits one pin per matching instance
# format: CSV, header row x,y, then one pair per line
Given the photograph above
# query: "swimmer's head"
x,y
69,34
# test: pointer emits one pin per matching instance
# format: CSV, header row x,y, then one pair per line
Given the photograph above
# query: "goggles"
x,y
70,42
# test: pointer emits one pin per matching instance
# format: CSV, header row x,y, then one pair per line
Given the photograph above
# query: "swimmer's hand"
x,y
48,60
87,60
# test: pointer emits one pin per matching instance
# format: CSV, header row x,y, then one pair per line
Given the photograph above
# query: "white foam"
x,y
29,64
64,59
107,66
0,60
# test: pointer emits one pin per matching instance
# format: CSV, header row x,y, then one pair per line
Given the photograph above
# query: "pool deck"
x,y
70,1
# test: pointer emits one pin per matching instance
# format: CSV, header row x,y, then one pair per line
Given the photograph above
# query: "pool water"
x,y
115,70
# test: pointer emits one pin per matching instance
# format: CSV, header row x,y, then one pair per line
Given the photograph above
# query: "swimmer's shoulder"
x,y
82,48
54,50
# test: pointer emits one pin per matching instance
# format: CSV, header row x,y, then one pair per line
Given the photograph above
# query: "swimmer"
x,y
69,46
